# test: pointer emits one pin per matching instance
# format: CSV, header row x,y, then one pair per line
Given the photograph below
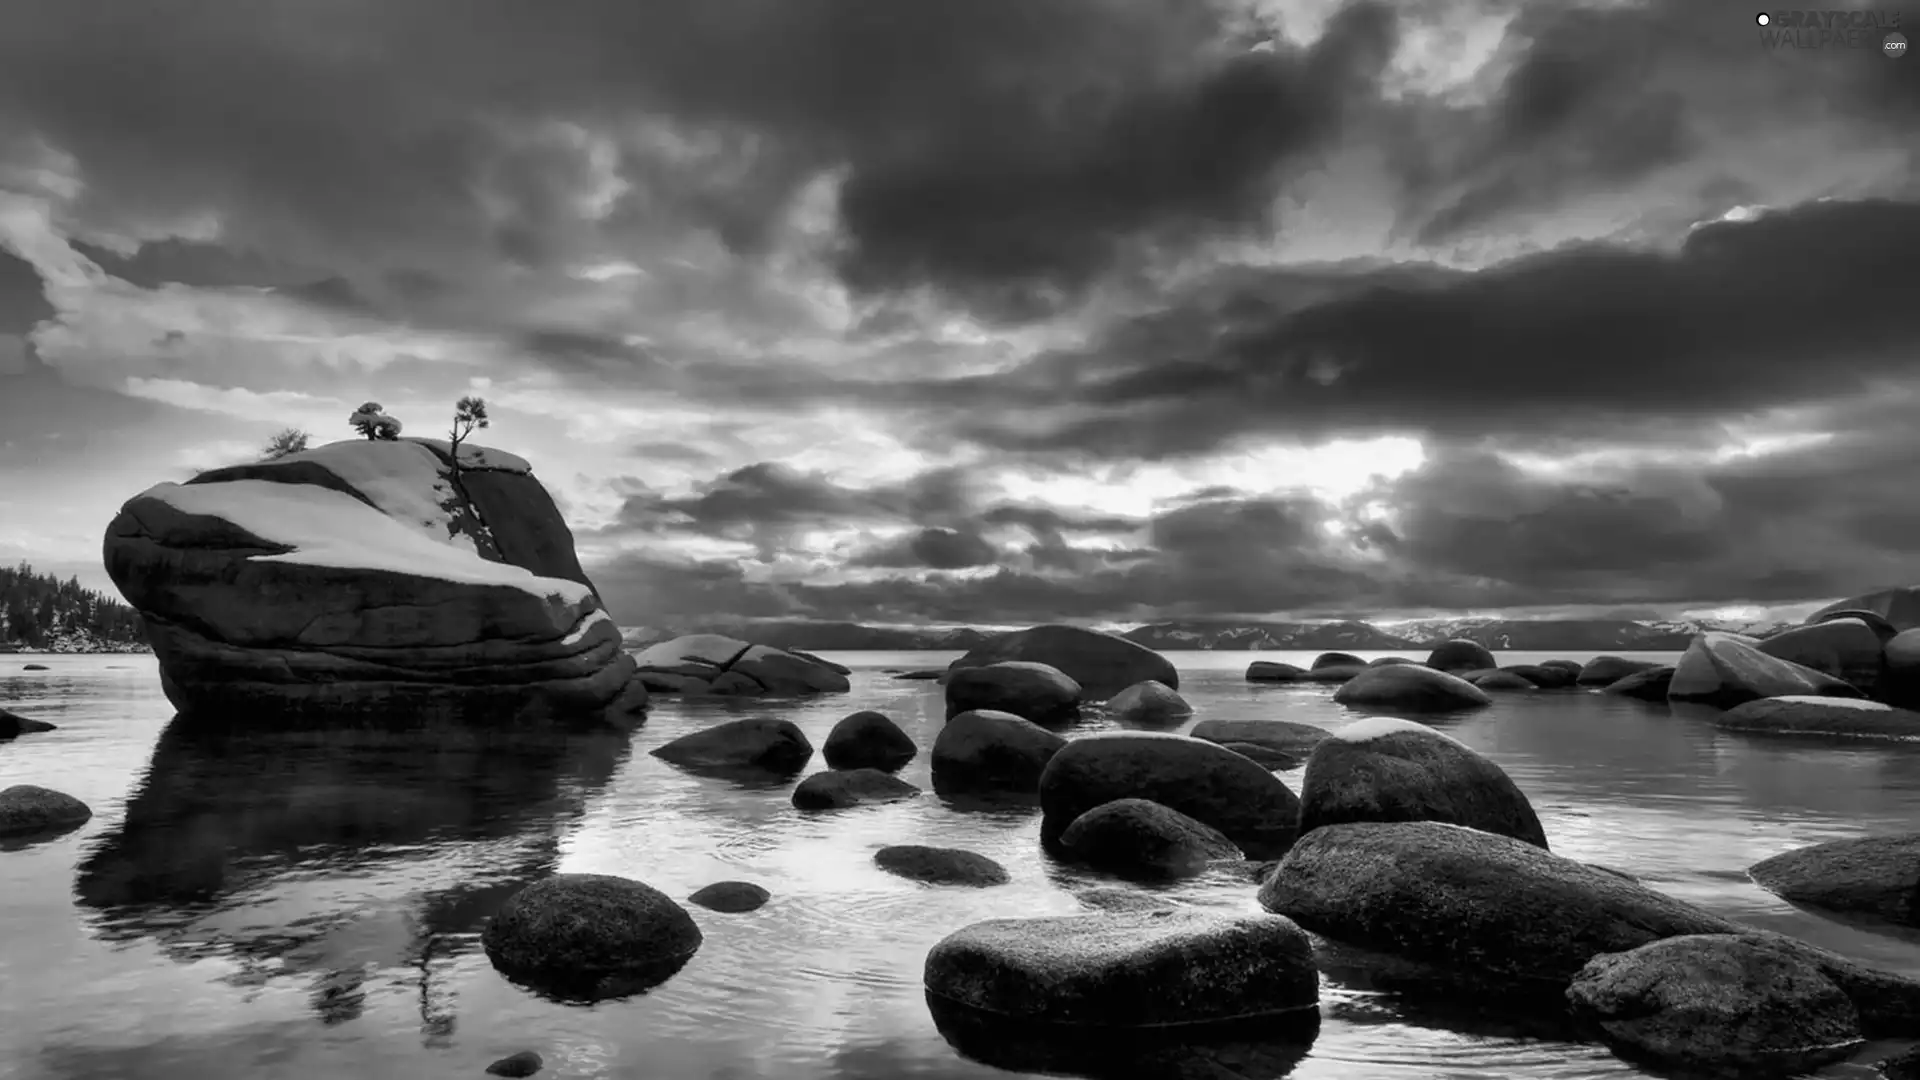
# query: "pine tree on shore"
x,y
39,611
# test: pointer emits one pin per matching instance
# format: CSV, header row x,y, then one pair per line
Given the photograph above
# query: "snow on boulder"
x,y
717,664
1726,670
364,579
1797,714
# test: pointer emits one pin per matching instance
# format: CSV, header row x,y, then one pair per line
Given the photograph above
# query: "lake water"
x,y
306,907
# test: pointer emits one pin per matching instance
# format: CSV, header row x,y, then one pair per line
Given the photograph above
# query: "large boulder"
x,y
761,743
1606,670
1102,663
1721,669
1410,688
983,750
1877,876
1202,780
1721,1001
868,740
590,936
1149,704
1460,654
1823,716
1039,692
1900,606
1470,901
1385,769
1143,840
1846,648
1127,970
1283,736
1901,685
717,664
365,578
838,789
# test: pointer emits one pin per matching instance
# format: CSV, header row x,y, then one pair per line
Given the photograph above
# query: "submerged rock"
x,y
1143,840
984,750
1459,654
868,740
1721,669
844,788
1128,970
1200,779
717,664
1798,715
1606,670
1718,1000
363,578
28,808
1384,769
1273,671
13,725
1878,876
1408,688
777,746
1545,676
1149,703
1649,685
1283,736
1101,663
940,865
590,936
524,1063
1037,692
731,897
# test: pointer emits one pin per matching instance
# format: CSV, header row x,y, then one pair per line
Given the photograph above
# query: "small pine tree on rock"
x,y
469,415
372,421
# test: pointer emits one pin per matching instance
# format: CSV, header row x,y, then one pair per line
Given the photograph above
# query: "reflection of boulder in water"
x,y
225,837
1258,1048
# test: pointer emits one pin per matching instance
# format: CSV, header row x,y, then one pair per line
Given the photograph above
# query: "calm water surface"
x,y
306,906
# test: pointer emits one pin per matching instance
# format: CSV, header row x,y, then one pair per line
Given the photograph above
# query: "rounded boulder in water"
x,y
1149,704
589,937
1384,769
868,740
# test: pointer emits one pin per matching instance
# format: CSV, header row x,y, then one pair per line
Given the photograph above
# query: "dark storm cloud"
x,y
995,145
937,549
1584,341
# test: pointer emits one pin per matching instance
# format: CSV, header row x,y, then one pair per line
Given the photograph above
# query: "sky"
x,y
999,311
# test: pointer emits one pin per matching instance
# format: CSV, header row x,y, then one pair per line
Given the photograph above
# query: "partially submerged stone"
x,y
717,664
1386,769
840,789
1035,691
1718,1000
1607,669
13,725
868,740
590,936
1143,840
940,865
1200,779
1128,969
1877,876
1273,671
1149,704
1283,736
28,808
1651,684
983,750
777,746
1460,654
1101,663
731,897
1823,716
1407,688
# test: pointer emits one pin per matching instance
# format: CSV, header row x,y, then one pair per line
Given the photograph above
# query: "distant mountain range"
x,y
1518,635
